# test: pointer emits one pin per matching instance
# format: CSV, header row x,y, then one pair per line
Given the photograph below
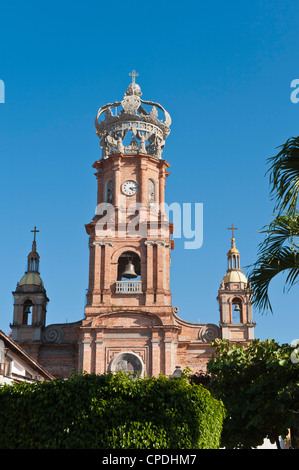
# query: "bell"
x,y
237,308
129,271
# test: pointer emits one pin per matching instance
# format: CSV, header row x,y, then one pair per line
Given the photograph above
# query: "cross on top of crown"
x,y
133,74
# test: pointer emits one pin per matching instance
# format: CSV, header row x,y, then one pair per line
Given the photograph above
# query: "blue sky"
x,y
221,69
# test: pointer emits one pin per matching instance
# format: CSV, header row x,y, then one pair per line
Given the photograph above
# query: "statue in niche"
x,y
151,197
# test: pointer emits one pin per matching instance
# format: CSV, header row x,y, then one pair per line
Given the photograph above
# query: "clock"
x,y
129,187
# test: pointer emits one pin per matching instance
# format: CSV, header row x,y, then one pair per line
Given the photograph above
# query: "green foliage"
x,y
109,412
259,386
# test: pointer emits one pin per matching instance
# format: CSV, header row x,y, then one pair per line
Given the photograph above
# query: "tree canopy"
x,y
259,387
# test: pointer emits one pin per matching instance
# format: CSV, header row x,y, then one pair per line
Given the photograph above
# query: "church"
x,y
129,322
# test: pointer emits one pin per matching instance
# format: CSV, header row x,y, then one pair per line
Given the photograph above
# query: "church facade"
x,y
129,321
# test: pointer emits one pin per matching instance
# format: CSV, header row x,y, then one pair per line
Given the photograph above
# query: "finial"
x,y
133,74
34,240
35,232
232,228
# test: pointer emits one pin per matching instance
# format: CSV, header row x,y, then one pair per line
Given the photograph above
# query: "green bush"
x,y
109,412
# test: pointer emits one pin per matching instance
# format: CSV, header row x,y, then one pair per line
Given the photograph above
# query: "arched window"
x,y
27,312
109,191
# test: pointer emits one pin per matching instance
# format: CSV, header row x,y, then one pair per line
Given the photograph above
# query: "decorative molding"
x,y
157,243
208,332
102,243
53,334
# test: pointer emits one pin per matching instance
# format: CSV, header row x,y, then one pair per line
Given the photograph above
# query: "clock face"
x,y
129,187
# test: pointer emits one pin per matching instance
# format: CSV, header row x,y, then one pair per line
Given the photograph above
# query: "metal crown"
x,y
148,132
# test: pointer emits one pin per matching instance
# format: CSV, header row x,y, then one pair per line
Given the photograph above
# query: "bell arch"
x,y
27,311
236,309
128,266
117,253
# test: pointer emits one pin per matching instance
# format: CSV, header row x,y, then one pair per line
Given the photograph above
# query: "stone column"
x,y
101,187
149,293
156,354
86,355
17,319
169,364
224,310
249,312
162,187
99,357
116,168
160,272
80,356
107,277
143,182
95,281
91,272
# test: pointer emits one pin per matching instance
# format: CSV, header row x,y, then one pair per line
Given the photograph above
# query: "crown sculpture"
x,y
148,132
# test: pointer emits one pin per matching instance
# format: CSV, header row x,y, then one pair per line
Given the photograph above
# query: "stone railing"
x,y
128,287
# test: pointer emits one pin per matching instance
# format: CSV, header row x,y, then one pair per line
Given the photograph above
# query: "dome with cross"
x,y
234,273
32,276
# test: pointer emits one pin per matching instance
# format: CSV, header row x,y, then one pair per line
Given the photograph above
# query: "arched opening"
x,y
236,310
151,192
128,274
128,266
27,312
33,264
109,191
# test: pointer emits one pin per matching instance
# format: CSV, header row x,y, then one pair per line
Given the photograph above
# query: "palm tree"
x,y
279,252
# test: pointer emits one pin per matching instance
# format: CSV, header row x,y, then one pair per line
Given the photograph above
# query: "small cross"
x,y
133,74
232,228
35,232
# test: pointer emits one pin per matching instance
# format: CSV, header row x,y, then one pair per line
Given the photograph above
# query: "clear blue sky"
x,y
222,70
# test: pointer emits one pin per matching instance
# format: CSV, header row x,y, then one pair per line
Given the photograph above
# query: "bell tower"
x,y
234,299
30,305
130,235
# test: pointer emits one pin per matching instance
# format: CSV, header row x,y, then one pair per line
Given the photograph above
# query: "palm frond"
x,y
266,268
283,229
284,176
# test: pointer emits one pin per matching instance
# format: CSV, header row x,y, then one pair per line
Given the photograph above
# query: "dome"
x,y
134,89
235,276
31,278
233,250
